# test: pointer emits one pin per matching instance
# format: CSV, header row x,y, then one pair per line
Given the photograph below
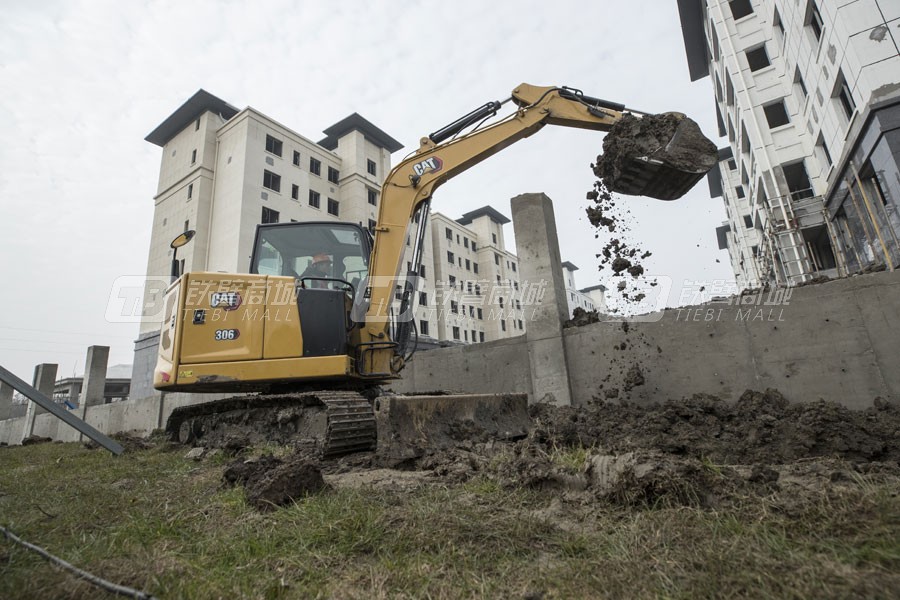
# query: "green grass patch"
x,y
155,521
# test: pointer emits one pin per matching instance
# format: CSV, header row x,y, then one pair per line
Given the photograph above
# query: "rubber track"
x,y
350,417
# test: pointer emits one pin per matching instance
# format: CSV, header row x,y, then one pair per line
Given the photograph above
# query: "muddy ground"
x,y
698,451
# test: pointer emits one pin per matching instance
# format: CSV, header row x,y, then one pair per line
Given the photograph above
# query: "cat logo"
x,y
225,300
429,165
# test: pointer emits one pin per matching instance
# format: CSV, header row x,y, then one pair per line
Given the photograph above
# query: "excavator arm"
x,y
412,183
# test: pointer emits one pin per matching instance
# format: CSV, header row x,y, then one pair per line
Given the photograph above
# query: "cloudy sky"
x,y
84,81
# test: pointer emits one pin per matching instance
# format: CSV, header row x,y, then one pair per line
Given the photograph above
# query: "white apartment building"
x,y
807,93
479,293
583,299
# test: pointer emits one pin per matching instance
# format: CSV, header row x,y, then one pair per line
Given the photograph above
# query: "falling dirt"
x,y
674,140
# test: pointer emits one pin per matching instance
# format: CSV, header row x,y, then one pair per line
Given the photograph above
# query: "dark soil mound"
x,y
758,428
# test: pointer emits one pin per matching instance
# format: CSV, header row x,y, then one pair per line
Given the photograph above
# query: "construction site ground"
x,y
691,498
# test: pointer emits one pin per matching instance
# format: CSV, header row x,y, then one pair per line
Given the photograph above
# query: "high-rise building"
x,y
807,93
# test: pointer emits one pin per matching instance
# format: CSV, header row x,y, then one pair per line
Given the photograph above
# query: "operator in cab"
x,y
319,267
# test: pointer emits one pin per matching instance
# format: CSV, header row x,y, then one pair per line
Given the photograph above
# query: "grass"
x,y
155,521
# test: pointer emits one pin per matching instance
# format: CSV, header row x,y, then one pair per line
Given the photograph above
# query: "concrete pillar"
x,y
6,398
94,385
44,380
537,246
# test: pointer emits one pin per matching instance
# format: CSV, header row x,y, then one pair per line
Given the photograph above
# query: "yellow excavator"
x,y
309,332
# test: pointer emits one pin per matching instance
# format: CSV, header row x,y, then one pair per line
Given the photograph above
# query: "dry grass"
x,y
155,521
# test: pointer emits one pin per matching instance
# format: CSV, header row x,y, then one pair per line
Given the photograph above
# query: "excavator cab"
x,y
286,322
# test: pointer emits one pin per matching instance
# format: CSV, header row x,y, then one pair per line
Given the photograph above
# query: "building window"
x,y
296,158
295,192
190,191
372,225
314,197
503,325
273,145
471,311
450,258
758,58
518,305
494,237
797,180
823,149
466,242
333,207
748,222
452,281
315,166
456,333
739,190
776,114
480,314
333,175
520,324
842,93
269,215
473,246
468,265
372,196
423,327
197,125
798,81
475,267
814,20
496,259
370,167
740,8
732,165
474,333
423,299
466,334
514,267
422,271
272,181
500,301
480,336
193,156
448,233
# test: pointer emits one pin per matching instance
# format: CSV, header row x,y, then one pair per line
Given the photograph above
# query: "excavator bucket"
x,y
411,426
660,156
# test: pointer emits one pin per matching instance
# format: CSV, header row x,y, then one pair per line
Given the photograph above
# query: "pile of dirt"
x,y
654,136
270,482
761,427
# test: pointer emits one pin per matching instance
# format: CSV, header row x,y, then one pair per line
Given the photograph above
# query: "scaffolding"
x,y
786,256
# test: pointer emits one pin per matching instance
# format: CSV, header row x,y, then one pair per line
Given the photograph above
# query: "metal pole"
x,y
52,407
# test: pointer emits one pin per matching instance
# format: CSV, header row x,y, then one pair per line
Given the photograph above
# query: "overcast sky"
x,y
83,82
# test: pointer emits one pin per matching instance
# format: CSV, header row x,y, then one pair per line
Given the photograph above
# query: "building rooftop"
x,y
489,211
356,122
195,106
569,266
599,286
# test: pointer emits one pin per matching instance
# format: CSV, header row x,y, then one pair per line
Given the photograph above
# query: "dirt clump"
x,y
654,136
32,440
581,317
270,482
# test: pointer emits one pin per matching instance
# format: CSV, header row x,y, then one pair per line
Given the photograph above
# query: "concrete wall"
x,y
839,341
